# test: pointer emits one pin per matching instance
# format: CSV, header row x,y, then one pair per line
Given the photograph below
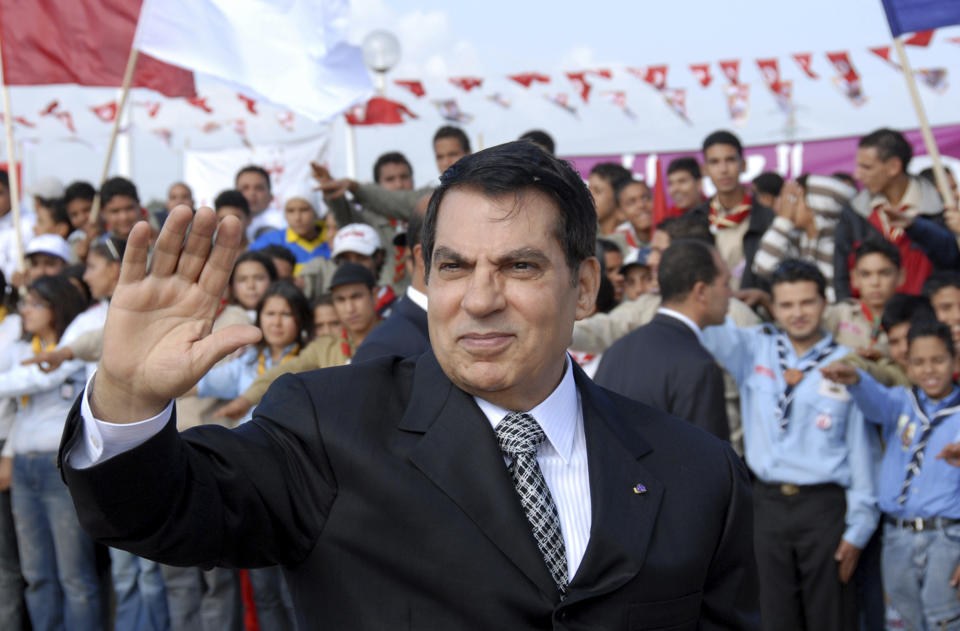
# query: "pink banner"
x,y
790,159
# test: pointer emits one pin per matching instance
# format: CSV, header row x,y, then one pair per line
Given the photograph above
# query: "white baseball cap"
x,y
356,237
52,244
46,188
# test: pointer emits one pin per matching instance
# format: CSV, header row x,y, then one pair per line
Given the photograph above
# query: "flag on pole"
x,y
294,54
907,16
83,42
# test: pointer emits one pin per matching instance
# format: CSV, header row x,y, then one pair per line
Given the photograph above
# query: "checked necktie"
x,y
519,435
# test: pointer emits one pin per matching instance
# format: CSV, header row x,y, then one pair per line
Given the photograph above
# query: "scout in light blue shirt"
x,y
825,438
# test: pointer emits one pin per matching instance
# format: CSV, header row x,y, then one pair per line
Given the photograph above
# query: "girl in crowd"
x,y
283,315
57,557
252,274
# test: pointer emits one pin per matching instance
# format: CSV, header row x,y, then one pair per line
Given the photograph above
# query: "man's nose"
x,y
483,294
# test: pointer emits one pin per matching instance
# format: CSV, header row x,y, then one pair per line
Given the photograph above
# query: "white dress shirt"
x,y
563,460
418,297
562,456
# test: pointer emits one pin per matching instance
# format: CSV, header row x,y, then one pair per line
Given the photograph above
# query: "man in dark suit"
x,y
663,363
486,485
404,332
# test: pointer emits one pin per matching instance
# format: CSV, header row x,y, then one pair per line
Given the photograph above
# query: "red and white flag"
x,y
883,52
654,75
526,79
293,54
106,112
466,83
731,70
450,111
250,104
415,87
738,103
84,42
562,100
379,111
676,98
847,79
702,73
805,61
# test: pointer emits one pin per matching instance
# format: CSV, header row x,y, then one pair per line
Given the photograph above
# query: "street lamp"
x,y
381,52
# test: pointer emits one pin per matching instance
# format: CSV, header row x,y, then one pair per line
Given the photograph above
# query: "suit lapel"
x,y
623,513
460,455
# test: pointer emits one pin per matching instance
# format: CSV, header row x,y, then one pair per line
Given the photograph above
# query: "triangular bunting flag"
x,y
378,111
562,100
106,112
249,103
450,111
805,61
466,83
731,69
702,73
527,78
920,38
415,87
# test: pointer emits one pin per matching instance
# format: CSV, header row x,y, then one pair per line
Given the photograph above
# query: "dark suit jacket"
x,y
760,219
402,334
664,365
382,490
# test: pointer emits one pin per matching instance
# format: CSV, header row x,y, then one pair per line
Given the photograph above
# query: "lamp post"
x,y
381,52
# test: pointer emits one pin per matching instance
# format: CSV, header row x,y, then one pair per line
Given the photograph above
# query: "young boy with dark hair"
x,y
918,495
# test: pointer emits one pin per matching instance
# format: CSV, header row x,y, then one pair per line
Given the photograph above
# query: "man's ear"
x,y
588,283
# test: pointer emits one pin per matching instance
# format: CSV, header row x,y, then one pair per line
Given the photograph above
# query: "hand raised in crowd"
x,y
788,202
950,453
841,372
753,297
6,473
50,360
846,556
331,188
235,410
157,341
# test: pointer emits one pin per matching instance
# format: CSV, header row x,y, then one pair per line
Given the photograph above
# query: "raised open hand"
x,y
157,341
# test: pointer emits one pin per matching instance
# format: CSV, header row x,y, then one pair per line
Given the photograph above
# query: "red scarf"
x,y
723,218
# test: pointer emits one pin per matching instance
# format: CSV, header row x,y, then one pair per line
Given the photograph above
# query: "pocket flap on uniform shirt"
x,y
664,613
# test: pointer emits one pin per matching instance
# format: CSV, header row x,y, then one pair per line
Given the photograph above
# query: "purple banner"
x,y
789,159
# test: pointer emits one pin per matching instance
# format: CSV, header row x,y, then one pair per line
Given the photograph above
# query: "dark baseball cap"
x,y
348,273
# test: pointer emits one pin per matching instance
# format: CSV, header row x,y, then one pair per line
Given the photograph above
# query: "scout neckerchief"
x,y
874,321
262,358
36,345
793,376
720,217
926,428
345,343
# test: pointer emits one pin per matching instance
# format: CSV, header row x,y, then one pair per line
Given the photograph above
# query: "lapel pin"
x,y
639,489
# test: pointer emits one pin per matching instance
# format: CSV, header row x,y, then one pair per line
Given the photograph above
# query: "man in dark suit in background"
x,y
663,363
404,332
486,485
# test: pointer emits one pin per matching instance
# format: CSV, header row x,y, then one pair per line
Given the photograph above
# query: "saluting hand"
x,y
157,341
841,372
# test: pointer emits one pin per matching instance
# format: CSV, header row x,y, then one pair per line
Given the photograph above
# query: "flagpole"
x,y
12,166
121,106
351,151
928,139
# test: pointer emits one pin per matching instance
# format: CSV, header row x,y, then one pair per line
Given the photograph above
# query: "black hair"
x,y
391,157
514,168
79,190
889,143
722,137
75,273
905,308
253,168
606,245
768,182
449,131
233,198
622,185
5,178
117,186
846,178
58,211
110,248
302,313
878,246
687,227
686,163
684,264
611,172
540,138
606,295
282,252
322,299
940,279
414,230
257,256
62,297
929,327
795,271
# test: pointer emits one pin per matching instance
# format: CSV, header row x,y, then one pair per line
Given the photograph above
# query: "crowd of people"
x,y
814,325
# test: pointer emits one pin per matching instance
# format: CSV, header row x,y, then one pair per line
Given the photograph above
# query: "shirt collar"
x,y
557,415
418,297
934,406
912,197
813,350
686,320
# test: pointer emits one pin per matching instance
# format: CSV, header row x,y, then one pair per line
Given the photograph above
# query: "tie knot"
x,y
519,433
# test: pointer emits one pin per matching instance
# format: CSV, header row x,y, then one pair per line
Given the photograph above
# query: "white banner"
x,y
210,172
